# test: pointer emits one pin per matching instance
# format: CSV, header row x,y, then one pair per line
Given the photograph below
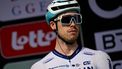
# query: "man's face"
x,y
68,32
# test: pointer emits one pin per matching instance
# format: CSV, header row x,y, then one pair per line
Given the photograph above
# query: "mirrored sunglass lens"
x,y
78,19
66,19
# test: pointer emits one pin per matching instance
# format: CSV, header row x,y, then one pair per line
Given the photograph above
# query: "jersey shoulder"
x,y
100,58
40,64
96,53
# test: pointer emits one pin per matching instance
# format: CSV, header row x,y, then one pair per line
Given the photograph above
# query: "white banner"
x,y
19,9
109,41
117,64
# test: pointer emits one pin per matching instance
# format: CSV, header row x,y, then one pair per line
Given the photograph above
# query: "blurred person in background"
x,y
64,17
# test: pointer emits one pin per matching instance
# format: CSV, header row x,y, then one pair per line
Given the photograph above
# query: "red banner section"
x,y
26,39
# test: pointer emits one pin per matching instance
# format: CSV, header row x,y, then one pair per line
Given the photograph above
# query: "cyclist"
x,y
65,19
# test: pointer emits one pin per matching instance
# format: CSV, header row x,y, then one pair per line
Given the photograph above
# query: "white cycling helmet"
x,y
58,6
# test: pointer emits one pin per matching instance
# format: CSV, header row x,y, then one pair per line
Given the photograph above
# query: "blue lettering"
x,y
88,67
86,62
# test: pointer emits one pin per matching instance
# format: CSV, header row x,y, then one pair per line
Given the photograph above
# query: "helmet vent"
x,y
62,1
64,6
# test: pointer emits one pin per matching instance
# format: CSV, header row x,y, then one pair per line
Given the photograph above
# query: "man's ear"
x,y
53,25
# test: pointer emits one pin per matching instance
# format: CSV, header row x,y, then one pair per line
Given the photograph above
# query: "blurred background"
x,y
26,38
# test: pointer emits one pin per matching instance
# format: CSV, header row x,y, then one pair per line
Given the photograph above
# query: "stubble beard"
x,y
68,41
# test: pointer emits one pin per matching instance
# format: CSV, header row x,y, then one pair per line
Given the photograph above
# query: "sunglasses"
x,y
68,19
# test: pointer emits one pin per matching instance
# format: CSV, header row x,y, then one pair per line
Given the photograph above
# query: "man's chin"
x,y
70,41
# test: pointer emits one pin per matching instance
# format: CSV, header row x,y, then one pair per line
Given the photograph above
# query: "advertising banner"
x,y
26,39
20,9
117,64
109,41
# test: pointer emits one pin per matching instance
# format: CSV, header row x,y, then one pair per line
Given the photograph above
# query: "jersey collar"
x,y
67,57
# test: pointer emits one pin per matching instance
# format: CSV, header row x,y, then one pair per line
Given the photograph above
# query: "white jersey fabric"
x,y
82,58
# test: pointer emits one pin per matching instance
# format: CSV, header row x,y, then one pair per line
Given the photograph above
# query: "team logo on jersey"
x,y
87,65
86,62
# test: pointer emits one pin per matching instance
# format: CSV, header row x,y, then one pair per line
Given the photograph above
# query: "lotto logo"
x,y
27,39
19,43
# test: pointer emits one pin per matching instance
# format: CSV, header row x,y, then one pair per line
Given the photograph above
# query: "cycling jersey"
x,y
82,58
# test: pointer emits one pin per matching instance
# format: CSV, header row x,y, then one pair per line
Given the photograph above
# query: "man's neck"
x,y
65,49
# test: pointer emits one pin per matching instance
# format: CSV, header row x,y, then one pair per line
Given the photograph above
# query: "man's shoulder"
x,y
100,58
42,61
89,51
